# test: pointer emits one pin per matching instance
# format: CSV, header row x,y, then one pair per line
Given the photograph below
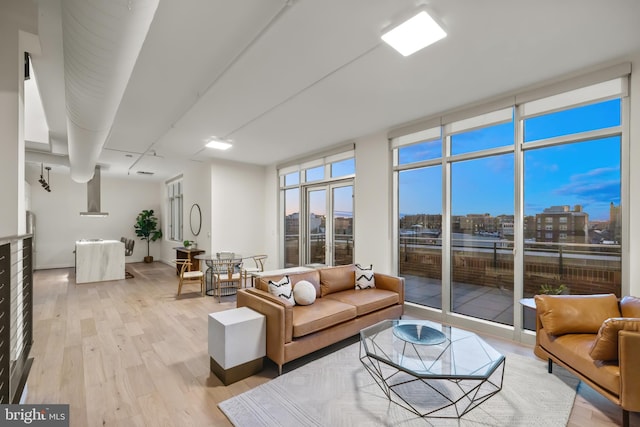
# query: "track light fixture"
x,y
42,181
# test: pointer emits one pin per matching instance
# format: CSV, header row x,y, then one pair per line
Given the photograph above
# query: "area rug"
x,y
336,390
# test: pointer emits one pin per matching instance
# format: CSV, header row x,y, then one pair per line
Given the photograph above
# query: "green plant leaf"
x,y
146,227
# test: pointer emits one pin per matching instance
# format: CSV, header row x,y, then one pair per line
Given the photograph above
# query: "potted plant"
x,y
146,227
549,289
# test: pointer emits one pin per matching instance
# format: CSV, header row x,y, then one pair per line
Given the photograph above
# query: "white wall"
x,y
373,203
196,188
59,224
237,208
232,200
271,219
15,15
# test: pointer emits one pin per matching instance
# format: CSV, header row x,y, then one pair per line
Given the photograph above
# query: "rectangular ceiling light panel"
x,y
219,145
414,34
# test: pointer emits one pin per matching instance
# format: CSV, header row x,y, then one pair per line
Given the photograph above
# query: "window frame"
x,y
413,133
175,224
300,168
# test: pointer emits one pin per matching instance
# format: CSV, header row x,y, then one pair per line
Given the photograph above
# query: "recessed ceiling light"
x,y
219,144
414,34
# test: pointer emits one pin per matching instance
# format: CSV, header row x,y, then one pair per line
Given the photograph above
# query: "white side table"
x,y
237,343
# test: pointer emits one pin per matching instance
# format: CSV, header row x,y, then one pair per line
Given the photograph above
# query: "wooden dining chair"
x,y
259,261
188,276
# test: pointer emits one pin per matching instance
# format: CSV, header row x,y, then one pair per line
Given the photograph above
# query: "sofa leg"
x,y
550,366
279,370
625,418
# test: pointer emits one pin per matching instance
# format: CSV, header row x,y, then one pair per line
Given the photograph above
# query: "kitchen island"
x,y
99,260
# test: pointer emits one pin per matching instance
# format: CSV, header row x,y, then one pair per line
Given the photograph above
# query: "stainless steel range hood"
x,y
93,196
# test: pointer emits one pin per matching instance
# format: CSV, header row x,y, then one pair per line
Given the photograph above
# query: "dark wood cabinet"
x,y
184,253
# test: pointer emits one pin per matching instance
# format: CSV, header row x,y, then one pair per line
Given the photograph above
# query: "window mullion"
x,y
576,137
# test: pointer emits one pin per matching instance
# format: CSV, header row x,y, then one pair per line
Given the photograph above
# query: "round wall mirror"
x,y
195,219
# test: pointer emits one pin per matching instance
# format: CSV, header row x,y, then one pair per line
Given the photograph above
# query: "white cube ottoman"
x,y
237,343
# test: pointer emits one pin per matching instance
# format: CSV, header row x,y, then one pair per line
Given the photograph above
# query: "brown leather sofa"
x,y
339,311
597,338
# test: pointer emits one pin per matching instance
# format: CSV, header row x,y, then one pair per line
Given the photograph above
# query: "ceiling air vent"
x,y
144,173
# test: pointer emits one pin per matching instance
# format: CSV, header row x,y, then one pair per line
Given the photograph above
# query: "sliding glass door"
x,y
329,224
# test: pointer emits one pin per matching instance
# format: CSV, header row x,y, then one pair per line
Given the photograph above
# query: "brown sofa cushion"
x,y
605,347
579,314
573,349
336,279
322,314
630,306
366,301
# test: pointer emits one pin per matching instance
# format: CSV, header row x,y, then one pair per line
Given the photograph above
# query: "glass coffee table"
x,y
430,369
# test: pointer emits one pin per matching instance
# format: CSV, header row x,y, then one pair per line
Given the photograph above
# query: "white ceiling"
x,y
284,78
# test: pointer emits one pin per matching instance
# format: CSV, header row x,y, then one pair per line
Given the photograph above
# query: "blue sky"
x,y
585,173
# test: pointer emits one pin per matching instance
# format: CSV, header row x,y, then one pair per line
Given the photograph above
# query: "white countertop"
x,y
95,241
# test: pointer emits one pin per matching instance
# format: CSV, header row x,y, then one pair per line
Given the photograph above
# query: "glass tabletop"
x,y
430,350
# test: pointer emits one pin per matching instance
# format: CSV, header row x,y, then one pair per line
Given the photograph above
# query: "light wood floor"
x,y
129,353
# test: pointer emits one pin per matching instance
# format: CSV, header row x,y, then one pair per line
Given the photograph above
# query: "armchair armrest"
x,y
279,315
628,350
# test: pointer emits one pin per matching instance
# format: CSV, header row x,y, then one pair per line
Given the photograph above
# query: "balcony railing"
x,y
582,268
342,249
16,315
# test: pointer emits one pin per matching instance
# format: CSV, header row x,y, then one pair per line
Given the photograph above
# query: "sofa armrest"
x,y
279,315
628,350
390,283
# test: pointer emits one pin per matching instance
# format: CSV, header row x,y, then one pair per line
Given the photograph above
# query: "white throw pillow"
x,y
282,289
304,293
364,277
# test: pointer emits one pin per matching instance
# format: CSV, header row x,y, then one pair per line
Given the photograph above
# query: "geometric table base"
x,y
434,397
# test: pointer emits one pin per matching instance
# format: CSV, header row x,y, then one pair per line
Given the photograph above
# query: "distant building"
x,y
343,225
563,225
424,221
529,225
292,224
615,222
505,225
478,224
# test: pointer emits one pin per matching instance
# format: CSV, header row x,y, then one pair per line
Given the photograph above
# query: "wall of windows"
x,y
316,204
174,200
519,197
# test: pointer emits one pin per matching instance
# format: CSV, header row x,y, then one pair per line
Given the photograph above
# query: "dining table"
x,y
209,272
